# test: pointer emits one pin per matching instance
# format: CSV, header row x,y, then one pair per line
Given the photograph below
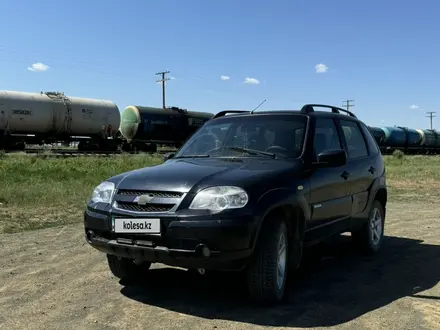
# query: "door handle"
x,y
345,175
371,170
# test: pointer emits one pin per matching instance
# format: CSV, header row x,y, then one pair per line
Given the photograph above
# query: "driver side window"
x,y
326,136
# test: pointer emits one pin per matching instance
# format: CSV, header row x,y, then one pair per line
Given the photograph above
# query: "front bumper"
x,y
183,242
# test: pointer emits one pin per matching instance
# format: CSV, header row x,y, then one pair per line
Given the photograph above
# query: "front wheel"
x,y
267,271
370,236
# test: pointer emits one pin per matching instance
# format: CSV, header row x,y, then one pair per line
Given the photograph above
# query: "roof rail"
x,y
225,112
307,108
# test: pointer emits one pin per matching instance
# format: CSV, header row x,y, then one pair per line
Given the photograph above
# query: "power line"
x,y
163,85
347,104
430,115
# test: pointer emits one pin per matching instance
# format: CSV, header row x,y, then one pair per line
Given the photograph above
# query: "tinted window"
x,y
356,146
371,142
326,135
282,135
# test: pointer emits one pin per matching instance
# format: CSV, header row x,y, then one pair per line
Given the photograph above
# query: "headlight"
x,y
217,199
103,193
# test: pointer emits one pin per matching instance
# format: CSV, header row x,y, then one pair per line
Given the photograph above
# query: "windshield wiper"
x,y
250,151
193,156
247,150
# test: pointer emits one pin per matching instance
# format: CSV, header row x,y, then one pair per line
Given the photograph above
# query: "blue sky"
x,y
382,54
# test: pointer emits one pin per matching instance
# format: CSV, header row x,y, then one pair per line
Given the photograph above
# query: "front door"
x,y
330,197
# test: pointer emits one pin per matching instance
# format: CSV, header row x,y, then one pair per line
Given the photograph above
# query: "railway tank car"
x,y
402,138
145,127
410,141
378,133
53,117
430,139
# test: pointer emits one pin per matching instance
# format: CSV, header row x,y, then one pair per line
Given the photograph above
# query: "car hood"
x,y
184,174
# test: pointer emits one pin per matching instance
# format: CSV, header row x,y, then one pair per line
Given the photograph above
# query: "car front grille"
x,y
161,201
145,208
160,194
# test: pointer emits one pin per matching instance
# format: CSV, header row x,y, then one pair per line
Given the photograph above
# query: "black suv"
x,y
246,192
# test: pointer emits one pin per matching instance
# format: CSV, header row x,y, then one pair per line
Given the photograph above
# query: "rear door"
x,y
2,118
359,162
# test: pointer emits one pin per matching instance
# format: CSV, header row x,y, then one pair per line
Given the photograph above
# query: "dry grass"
x,y
37,192
413,177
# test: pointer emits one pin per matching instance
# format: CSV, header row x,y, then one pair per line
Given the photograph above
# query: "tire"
x,y
261,273
366,239
126,269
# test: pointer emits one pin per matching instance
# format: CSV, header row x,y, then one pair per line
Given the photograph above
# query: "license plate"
x,y
136,226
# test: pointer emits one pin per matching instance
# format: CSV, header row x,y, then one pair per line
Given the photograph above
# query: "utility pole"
x,y
163,85
430,114
347,104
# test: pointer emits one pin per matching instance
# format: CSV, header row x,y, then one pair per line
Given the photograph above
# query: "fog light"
x,y
206,252
203,250
90,235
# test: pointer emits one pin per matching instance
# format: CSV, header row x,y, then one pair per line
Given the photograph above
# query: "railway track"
x,y
73,152
59,152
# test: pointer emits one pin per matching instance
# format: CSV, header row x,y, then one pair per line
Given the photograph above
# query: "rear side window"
x,y
371,141
356,145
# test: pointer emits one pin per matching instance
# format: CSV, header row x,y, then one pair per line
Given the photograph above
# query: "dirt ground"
x,y
51,279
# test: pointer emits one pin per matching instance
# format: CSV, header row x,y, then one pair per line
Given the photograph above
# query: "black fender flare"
x,y
276,198
378,186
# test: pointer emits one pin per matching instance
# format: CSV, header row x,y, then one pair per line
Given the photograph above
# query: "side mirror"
x,y
168,155
332,158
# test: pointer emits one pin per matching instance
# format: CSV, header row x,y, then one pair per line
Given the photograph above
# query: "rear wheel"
x,y
370,236
124,268
267,271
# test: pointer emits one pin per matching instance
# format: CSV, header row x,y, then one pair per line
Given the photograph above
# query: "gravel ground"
x,y
51,279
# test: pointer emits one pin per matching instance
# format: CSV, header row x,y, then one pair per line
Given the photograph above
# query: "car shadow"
x,y
334,285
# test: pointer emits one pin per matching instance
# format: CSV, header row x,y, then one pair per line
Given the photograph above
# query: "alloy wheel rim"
x,y
376,226
281,260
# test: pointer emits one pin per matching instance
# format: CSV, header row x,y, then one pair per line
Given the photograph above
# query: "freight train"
x,y
408,140
51,117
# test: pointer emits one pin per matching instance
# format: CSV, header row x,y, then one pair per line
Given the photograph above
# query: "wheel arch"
x,y
382,196
293,214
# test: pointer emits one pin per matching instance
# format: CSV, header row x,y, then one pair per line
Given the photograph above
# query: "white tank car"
x,y
54,113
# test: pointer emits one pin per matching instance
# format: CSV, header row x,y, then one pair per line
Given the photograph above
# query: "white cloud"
x,y
38,67
321,68
251,81
173,78
414,107
222,77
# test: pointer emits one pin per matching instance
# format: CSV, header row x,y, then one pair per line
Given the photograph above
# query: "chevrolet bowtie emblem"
x,y
143,199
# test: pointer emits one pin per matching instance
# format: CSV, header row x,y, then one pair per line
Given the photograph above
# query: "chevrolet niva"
x,y
246,192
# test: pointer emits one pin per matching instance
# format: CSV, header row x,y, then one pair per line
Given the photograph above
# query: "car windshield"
x,y
275,136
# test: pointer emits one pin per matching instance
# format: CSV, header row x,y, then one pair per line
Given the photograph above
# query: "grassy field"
x,y
37,192
413,177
